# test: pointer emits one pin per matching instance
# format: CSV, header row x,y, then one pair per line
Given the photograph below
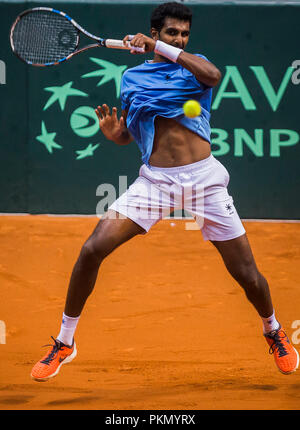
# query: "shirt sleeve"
x,y
201,56
124,94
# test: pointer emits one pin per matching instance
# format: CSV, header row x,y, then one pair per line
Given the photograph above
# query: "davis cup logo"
x,y
83,120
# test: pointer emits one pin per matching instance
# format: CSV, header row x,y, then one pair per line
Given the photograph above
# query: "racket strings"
x,y
42,37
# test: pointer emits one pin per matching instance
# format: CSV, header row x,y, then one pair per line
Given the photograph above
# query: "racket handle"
x,y
118,44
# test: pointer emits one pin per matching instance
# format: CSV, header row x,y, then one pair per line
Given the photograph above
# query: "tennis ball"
x,y
191,108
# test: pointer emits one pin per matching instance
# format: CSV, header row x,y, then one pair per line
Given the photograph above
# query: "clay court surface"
x,y
166,327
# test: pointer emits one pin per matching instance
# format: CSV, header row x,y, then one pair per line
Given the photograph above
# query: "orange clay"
x,y
165,328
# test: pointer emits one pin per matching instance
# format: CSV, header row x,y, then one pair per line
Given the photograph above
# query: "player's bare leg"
x,y
239,261
109,233
238,258
107,236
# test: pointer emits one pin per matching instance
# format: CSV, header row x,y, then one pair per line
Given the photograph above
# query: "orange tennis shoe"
x,y
286,356
50,364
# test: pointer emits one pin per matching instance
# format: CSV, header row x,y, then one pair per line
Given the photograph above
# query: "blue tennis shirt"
x,y
152,89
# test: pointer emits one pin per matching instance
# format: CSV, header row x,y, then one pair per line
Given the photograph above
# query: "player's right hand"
x,y
109,124
140,41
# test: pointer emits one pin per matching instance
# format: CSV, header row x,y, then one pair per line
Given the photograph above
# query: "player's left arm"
x,y
204,71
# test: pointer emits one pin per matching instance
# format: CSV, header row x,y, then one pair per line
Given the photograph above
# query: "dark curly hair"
x,y
172,10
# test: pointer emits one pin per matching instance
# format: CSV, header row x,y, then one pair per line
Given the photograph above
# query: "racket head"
x,y
43,36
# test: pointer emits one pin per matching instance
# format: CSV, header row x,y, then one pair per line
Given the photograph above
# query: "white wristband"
x,y
168,51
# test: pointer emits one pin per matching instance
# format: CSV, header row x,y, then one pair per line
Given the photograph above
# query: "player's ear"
x,y
154,33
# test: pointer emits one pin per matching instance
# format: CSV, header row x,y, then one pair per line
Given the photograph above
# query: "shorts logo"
x,y
229,208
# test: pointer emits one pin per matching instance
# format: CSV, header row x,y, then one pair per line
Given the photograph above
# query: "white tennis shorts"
x,y
199,188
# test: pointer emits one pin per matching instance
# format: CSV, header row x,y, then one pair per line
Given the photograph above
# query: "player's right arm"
x,y
113,128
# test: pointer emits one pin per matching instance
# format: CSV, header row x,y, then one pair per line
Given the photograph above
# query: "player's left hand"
x,y
141,41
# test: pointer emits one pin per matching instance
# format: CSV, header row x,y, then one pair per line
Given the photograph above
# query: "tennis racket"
x,y
45,36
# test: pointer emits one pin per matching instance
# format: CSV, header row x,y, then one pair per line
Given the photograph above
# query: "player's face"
x,y
174,32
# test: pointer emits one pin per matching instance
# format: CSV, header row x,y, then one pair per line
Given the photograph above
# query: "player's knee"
x,y
94,251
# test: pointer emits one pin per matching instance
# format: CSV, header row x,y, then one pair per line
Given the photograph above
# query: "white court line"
x,y
187,219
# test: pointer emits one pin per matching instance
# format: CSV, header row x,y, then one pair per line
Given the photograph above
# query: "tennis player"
x,y
176,154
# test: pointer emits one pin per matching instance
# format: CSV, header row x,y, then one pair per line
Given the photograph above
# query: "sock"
x,y
67,329
270,323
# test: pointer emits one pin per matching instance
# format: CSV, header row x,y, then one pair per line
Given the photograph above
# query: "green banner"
x,y
54,157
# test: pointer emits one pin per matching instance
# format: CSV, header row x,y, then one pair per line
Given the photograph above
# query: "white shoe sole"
x,y
67,360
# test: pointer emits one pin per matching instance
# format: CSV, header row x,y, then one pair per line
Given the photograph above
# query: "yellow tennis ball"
x,y
191,108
